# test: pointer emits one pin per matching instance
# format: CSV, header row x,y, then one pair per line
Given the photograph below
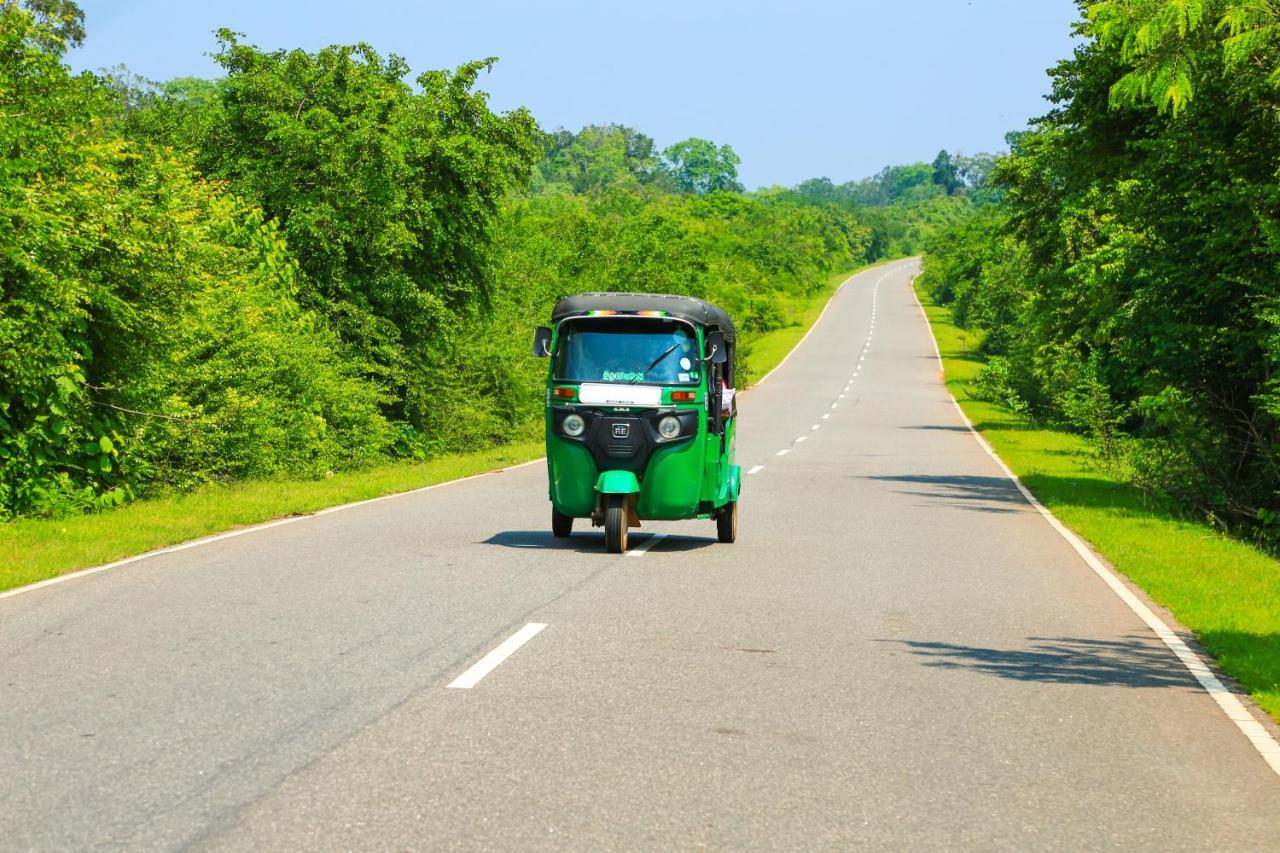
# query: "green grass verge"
x,y
33,550
1225,591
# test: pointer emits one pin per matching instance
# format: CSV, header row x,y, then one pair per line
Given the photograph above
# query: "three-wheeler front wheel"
x,y
615,524
561,524
727,522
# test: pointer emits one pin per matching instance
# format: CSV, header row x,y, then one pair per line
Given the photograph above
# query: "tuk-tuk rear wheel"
x,y
615,524
727,523
561,524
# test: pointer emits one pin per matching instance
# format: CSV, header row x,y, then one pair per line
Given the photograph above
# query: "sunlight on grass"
x,y
1224,590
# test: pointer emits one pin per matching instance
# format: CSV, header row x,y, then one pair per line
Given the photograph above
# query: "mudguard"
x,y
731,486
617,483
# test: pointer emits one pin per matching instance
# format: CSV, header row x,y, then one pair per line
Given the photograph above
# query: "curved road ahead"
x,y
899,652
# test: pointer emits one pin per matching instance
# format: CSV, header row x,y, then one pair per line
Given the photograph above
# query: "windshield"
x,y
644,352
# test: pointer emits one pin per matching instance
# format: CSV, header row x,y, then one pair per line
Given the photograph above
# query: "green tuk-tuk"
x,y
640,413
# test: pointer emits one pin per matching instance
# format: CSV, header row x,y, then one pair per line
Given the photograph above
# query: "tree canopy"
x,y
311,264
1128,284
700,167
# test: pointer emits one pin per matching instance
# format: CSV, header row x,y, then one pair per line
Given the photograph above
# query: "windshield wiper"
x,y
654,363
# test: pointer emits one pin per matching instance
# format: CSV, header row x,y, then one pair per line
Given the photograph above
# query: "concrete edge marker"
x,y
1262,740
491,661
252,528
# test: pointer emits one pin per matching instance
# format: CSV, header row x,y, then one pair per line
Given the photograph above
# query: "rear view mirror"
x,y
715,348
542,342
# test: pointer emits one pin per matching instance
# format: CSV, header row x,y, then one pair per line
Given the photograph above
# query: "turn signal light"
x,y
683,396
563,393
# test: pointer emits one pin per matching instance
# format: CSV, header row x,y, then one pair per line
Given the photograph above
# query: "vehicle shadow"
x,y
1131,662
680,543
544,541
590,541
980,494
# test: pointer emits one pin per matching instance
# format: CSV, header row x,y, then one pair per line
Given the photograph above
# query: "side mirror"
x,y
716,351
542,342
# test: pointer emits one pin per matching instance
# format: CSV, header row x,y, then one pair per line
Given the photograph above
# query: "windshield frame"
x,y
565,327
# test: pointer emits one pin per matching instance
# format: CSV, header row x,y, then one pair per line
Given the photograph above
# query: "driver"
x,y
678,353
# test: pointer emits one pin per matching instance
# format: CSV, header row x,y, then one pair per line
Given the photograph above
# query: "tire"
x,y
615,524
727,523
561,524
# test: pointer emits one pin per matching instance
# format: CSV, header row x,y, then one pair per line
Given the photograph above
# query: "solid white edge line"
x,y
241,531
756,470
639,550
1262,741
490,662
887,266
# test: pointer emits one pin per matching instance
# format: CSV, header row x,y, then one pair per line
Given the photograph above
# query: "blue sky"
x,y
799,89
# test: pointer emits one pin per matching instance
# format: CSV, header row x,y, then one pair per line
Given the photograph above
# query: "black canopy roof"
x,y
682,307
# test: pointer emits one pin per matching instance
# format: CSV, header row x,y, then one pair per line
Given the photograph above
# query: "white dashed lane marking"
x,y
490,662
866,346
640,548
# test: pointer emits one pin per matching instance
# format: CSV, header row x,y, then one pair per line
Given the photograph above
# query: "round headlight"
x,y
669,427
573,425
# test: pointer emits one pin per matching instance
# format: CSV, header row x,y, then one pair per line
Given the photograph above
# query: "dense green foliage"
x,y
906,205
1128,283
385,194
148,326
309,264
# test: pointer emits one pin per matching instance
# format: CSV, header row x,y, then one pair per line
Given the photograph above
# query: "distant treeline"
x,y
309,264
1129,283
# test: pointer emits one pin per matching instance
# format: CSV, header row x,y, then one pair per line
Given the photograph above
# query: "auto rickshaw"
x,y
641,415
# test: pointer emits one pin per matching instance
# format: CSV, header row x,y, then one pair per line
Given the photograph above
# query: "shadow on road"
x,y
980,494
680,543
544,541
1131,662
589,541
939,427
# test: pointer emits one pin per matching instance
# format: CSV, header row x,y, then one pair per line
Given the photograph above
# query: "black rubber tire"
x,y
615,524
561,525
727,523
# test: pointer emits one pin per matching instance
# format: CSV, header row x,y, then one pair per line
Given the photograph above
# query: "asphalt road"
x,y
898,653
